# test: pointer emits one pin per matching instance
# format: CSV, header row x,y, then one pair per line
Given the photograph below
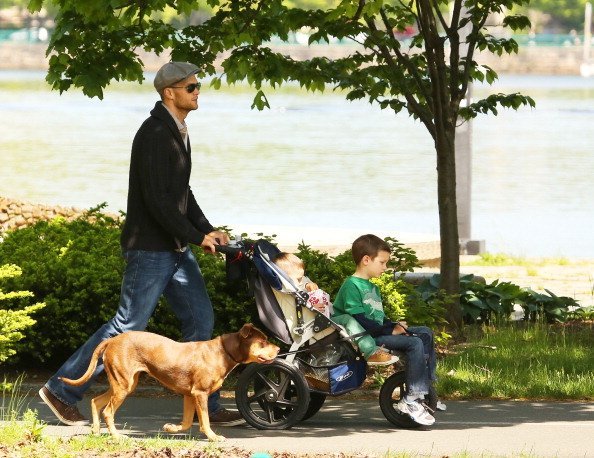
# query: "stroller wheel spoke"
x,y
266,380
284,385
270,410
286,403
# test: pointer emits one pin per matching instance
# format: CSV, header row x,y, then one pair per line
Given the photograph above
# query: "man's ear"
x,y
365,259
167,93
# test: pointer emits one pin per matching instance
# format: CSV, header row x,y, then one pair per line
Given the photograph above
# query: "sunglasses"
x,y
189,88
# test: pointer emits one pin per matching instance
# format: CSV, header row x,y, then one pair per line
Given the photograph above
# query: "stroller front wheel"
x,y
272,396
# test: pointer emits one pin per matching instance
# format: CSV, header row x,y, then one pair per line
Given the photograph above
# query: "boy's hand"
x,y
399,328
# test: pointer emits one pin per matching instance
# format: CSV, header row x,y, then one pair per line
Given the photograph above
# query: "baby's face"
x,y
296,273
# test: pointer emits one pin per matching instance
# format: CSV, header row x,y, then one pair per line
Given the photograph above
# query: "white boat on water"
x,y
587,69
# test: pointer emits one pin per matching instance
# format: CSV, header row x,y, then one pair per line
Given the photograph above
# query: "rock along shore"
x,y
16,214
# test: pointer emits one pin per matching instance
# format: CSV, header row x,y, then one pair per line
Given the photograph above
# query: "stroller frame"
x,y
289,390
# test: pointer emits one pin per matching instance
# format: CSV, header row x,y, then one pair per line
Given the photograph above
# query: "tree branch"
x,y
469,57
403,59
357,15
442,21
435,61
384,51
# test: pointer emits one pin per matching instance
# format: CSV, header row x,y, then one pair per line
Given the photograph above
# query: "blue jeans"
x,y
147,276
420,357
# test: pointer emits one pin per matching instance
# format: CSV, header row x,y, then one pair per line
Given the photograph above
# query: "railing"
x,y
34,35
549,39
31,35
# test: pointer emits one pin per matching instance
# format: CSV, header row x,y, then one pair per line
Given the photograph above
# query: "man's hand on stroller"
x,y
214,238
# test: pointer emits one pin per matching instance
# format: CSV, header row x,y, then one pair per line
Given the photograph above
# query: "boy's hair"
x,y
368,245
291,264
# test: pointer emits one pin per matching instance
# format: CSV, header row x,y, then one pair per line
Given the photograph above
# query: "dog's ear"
x,y
246,330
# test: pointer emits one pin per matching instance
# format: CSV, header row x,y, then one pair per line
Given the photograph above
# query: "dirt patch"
x,y
144,452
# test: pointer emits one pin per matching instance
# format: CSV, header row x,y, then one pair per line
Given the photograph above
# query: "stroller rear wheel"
x,y
392,392
272,396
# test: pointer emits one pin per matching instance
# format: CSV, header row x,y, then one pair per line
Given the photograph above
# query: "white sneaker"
x,y
416,411
441,406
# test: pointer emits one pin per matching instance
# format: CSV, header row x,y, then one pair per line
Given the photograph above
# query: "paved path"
x,y
485,428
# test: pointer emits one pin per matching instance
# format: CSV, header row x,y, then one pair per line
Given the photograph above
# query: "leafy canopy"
x,y
97,41
427,75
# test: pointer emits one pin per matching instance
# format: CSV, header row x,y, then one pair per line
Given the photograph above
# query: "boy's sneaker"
x,y
441,406
382,358
416,412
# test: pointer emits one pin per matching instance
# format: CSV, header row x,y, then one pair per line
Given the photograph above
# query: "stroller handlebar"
x,y
232,248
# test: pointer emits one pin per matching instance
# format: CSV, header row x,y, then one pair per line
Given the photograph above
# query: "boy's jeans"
x,y
148,275
420,357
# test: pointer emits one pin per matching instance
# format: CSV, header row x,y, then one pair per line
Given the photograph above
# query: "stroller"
x,y
322,359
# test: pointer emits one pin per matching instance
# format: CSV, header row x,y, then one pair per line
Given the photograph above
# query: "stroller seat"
x,y
282,306
287,303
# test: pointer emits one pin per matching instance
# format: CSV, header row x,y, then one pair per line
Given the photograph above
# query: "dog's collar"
x,y
228,352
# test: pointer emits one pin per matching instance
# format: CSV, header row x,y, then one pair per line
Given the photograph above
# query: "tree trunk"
x,y
448,223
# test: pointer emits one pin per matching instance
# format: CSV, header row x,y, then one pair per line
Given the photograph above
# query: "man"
x,y
162,218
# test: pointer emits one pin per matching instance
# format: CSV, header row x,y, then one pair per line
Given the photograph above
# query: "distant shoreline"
x,y
537,60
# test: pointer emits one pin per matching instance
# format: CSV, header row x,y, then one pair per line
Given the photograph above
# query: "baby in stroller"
x,y
294,267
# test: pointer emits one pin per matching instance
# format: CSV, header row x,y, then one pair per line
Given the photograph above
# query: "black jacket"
x,y
162,212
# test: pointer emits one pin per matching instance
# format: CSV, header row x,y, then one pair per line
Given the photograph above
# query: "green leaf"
x,y
260,101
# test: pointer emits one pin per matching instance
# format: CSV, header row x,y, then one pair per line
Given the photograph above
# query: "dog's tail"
x,y
92,366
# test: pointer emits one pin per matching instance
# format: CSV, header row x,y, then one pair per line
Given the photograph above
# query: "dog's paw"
x,y
171,428
215,438
118,437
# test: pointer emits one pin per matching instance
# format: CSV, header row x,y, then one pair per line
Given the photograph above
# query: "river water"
x,y
318,162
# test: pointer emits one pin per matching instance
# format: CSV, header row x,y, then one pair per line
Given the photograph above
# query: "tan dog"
x,y
194,369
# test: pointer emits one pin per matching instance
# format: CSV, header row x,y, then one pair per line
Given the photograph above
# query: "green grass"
x,y
502,259
13,401
534,361
521,361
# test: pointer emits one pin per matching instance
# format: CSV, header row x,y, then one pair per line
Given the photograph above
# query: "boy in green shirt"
x,y
361,299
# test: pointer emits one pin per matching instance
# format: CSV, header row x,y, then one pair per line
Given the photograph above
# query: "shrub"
x,y
76,268
14,319
403,302
495,301
327,272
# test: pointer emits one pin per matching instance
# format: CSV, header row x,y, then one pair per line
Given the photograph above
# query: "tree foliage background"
x,y
564,14
97,41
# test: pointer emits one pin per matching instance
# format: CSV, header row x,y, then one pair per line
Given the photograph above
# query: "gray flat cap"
x,y
173,72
